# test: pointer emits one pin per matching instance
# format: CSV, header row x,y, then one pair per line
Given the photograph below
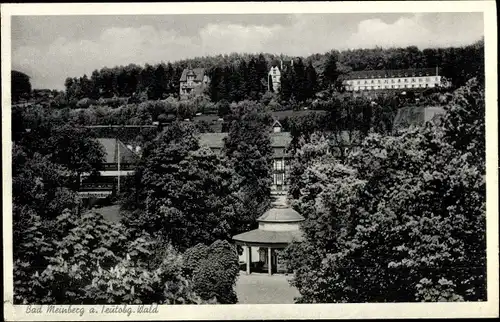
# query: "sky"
x,y
51,48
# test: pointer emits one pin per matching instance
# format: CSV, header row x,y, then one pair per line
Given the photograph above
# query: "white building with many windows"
x,y
398,79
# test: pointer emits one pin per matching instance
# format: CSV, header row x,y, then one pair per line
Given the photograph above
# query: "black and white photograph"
x,y
158,157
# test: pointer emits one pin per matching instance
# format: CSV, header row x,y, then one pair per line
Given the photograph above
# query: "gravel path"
x,y
259,288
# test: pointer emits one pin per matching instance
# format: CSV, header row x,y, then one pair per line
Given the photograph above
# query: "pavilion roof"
x,y
259,236
281,214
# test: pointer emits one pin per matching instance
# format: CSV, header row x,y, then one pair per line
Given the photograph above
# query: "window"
x,y
279,179
437,79
393,80
379,81
428,79
366,82
420,80
413,80
372,81
386,81
399,80
278,164
406,80
357,83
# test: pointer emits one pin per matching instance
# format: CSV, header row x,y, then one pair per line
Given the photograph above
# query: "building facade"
x,y
193,81
274,74
280,142
372,80
119,162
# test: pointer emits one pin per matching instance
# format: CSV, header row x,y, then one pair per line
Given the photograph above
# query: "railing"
x,y
96,186
114,167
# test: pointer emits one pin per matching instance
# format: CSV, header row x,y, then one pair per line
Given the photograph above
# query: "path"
x,y
259,288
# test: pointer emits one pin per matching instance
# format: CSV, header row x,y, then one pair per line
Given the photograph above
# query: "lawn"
x,y
258,288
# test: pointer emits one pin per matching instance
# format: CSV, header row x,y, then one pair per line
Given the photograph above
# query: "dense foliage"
x,y
174,170
236,77
403,219
91,262
20,85
248,148
214,270
64,255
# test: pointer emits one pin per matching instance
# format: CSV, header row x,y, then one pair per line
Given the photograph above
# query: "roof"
x,y
281,214
216,140
416,115
111,150
198,73
344,138
269,237
281,139
390,73
277,123
213,140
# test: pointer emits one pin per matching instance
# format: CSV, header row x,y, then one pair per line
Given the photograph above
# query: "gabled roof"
x,y
216,140
110,146
389,73
277,124
197,72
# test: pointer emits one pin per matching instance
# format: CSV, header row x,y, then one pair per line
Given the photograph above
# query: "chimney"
x,y
281,64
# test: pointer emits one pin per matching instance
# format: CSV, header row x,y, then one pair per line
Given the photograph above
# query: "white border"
x,y
284,311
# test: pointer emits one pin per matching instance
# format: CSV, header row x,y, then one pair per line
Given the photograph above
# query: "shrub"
x,y
214,271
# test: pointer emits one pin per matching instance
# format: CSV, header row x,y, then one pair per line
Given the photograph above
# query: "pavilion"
x,y
278,227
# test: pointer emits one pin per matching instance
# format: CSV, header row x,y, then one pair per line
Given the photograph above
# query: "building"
x,y
274,74
119,162
278,227
373,80
193,81
417,116
280,142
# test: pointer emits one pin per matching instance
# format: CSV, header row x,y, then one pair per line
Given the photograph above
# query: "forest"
x,y
236,77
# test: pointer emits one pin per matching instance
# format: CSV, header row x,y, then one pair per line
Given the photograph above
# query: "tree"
x,y
402,220
176,170
248,147
330,73
91,262
214,270
20,85
311,81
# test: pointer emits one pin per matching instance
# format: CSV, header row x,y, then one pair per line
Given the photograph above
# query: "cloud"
x,y
227,38
417,30
50,65
50,62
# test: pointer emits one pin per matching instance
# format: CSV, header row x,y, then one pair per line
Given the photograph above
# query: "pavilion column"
x,y
249,258
269,260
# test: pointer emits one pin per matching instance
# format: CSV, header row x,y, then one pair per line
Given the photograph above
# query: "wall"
x,y
392,83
